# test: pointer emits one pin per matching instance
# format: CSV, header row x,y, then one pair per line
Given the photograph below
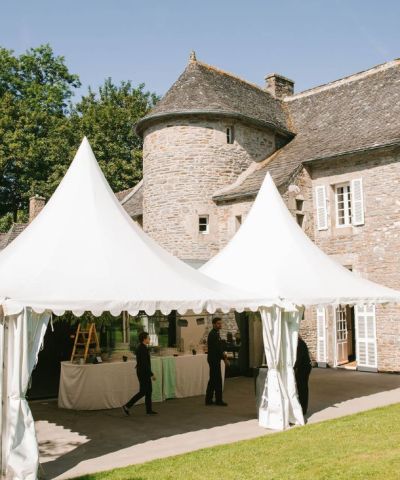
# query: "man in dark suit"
x,y
302,370
145,376
214,356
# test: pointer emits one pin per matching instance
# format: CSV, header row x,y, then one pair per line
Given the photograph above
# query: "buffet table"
x,y
111,385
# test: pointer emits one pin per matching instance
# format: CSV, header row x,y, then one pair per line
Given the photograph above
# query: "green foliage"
x,y
6,222
35,131
40,130
107,119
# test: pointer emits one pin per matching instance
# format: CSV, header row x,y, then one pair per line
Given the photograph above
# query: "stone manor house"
x,y
333,152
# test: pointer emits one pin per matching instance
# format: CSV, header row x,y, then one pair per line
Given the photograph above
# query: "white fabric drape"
x,y
280,405
2,320
24,338
290,335
273,411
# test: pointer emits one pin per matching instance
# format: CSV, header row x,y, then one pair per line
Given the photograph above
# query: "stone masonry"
x,y
370,249
184,163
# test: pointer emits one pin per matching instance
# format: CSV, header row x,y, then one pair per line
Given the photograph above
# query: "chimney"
x,y
278,85
36,205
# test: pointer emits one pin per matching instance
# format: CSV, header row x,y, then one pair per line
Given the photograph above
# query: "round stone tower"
x,y
207,130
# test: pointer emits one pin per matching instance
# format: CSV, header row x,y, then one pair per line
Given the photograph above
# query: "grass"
x,y
358,447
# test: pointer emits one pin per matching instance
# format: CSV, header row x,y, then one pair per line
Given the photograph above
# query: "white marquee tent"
x,y
271,255
84,253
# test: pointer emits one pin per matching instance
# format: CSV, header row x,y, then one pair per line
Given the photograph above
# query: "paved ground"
x,y
74,443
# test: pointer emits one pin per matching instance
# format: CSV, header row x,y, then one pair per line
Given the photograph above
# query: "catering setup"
x,y
111,384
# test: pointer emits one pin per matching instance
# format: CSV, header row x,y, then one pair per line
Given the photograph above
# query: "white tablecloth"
x,y
192,374
110,385
103,385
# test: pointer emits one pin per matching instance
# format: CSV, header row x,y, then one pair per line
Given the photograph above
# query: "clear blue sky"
x,y
310,41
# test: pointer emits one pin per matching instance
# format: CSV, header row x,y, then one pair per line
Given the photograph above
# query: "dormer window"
x,y
230,135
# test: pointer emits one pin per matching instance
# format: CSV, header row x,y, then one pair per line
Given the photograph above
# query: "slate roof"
x,y
13,233
123,193
354,114
202,89
133,200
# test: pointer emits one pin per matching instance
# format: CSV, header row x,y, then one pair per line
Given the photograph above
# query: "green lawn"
x,y
363,446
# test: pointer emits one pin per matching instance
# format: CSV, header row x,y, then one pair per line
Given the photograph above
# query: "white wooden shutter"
x,y
357,202
322,213
321,335
366,337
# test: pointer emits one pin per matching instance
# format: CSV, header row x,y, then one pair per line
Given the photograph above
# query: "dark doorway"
x,y
57,347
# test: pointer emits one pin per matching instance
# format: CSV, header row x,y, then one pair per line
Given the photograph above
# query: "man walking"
x,y
214,356
145,376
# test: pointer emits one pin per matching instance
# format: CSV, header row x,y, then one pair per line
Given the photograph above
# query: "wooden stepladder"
x,y
86,343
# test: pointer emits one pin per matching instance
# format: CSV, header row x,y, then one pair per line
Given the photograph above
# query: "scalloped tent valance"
x,y
271,255
84,253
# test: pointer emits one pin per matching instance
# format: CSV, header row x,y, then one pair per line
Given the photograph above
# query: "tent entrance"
x,y
344,335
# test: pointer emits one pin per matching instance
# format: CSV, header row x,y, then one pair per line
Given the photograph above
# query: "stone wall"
x,y
184,163
300,188
371,249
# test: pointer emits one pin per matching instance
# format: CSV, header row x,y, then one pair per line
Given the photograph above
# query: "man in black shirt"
x,y
214,356
302,370
145,376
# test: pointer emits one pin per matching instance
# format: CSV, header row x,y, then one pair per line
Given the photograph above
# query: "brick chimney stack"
x,y
36,204
279,86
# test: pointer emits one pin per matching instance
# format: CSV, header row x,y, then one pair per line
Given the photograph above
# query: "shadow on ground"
x,y
109,431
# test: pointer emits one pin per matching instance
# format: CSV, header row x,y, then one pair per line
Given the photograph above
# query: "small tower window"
x,y
203,224
230,135
299,204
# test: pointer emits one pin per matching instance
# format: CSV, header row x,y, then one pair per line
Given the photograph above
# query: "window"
x,y
230,135
299,204
203,224
238,222
300,219
343,204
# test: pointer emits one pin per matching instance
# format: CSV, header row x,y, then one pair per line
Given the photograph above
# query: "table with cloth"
x,y
111,385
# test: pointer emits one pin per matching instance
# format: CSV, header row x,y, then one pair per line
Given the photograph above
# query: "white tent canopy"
x,y
84,253
271,254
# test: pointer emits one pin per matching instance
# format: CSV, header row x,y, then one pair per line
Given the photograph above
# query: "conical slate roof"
x,y
271,254
83,252
202,89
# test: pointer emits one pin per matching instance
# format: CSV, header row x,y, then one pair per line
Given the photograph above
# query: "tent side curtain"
x,y
23,337
279,405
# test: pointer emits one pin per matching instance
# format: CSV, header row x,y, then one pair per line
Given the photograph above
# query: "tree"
x,y
35,132
108,120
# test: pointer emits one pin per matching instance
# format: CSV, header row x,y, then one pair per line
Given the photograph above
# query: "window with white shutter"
x,y
367,358
357,202
321,337
322,213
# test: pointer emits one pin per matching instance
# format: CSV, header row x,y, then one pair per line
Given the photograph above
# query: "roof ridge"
x,y
132,192
341,81
232,75
253,167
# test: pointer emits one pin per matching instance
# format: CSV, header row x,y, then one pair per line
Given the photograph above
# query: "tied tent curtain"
x,y
24,336
290,335
279,403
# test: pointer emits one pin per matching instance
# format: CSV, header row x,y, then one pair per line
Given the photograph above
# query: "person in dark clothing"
x,y
302,370
145,376
214,356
